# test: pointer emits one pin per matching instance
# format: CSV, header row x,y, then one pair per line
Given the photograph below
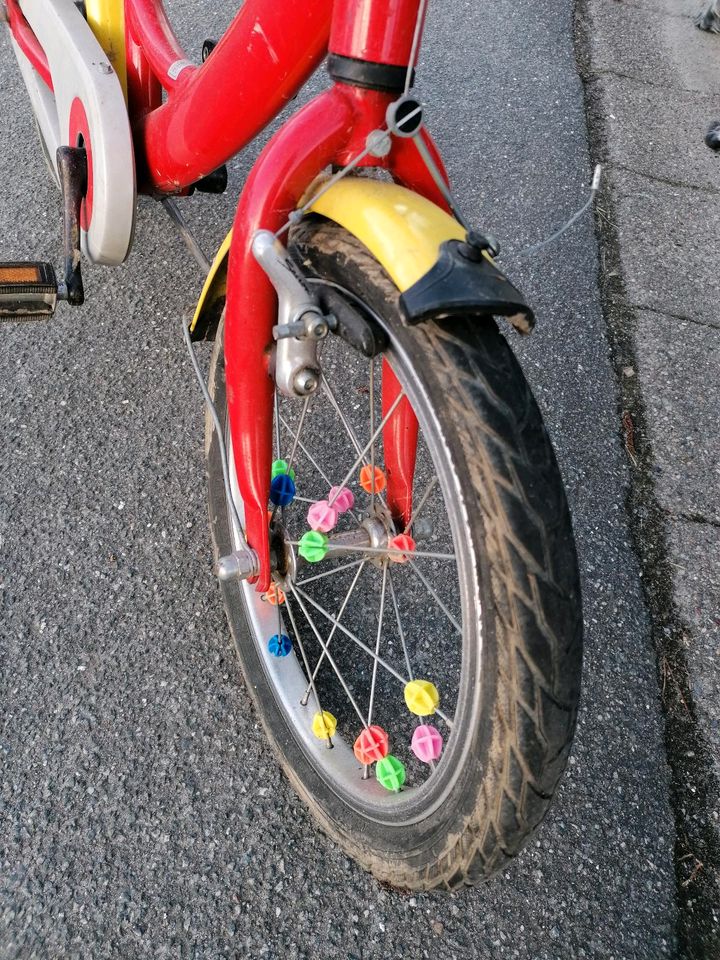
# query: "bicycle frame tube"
x,y
28,42
266,55
212,111
375,32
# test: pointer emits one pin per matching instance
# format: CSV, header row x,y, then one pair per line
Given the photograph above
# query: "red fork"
x,y
400,435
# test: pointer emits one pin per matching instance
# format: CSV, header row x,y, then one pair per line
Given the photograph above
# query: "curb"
x,y
695,790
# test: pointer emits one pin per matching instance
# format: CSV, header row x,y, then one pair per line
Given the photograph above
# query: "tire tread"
x,y
533,574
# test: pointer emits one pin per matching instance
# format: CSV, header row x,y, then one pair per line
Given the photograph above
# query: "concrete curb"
x,y
652,84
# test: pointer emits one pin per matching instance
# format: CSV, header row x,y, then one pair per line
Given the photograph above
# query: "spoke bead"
x,y
279,467
421,697
427,743
372,745
324,725
321,516
342,499
402,542
274,595
366,479
390,772
313,546
282,490
280,645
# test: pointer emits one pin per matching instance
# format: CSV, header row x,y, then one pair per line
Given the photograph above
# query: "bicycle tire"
x,y
526,588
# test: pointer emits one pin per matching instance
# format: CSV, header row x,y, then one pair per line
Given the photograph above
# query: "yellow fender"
x,y
401,229
212,297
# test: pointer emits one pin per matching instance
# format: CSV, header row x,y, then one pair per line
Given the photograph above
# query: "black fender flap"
x,y
465,281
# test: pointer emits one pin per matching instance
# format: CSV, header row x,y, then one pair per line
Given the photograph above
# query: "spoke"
x,y
307,454
362,453
370,442
280,619
348,429
305,660
329,573
363,646
372,433
436,598
296,439
400,629
366,769
423,500
315,463
338,548
377,644
279,448
327,653
341,611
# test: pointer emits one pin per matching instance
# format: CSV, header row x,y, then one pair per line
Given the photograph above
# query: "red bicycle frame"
x,y
211,112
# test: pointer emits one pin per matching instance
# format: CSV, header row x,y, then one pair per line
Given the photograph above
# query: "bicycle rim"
x,y
430,632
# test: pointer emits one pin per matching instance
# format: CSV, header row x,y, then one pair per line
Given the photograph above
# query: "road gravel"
x,y
142,814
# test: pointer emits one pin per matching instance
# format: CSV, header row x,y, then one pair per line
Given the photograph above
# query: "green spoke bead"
x,y
313,546
390,772
281,466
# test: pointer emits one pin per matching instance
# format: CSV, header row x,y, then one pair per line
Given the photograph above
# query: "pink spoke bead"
x,y
321,516
344,499
427,743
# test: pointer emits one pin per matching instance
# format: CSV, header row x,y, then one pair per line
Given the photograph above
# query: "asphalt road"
x,y
140,811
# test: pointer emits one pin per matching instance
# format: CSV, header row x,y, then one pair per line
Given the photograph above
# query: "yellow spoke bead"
x,y
421,697
324,725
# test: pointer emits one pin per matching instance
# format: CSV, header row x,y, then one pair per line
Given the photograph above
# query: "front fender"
x,y
401,229
409,236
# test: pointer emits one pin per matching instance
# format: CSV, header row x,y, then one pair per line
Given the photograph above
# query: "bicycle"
x,y
391,532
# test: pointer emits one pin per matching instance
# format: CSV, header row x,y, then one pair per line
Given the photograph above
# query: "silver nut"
x,y
316,327
378,143
306,381
237,566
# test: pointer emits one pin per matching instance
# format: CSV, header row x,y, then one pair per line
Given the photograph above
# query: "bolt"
x,y
237,566
315,326
481,241
306,381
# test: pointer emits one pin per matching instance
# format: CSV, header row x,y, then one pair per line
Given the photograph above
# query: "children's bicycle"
x,y
392,536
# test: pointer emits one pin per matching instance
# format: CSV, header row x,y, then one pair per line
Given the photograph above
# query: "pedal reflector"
x,y
27,291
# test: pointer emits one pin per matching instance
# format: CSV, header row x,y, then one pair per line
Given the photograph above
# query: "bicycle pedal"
x,y
28,291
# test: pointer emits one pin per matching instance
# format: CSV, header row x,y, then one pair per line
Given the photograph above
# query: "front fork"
x,y
330,130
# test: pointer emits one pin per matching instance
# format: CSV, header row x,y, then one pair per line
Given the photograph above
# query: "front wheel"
x,y
421,693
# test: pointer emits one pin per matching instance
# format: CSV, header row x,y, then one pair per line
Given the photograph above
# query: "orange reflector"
x,y
23,273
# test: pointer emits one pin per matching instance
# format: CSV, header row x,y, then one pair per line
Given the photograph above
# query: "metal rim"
x,y
286,676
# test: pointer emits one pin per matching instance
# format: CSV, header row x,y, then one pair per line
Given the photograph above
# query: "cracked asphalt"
x,y
141,814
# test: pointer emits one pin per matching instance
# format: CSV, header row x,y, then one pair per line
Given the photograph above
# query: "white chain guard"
x,y
80,71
